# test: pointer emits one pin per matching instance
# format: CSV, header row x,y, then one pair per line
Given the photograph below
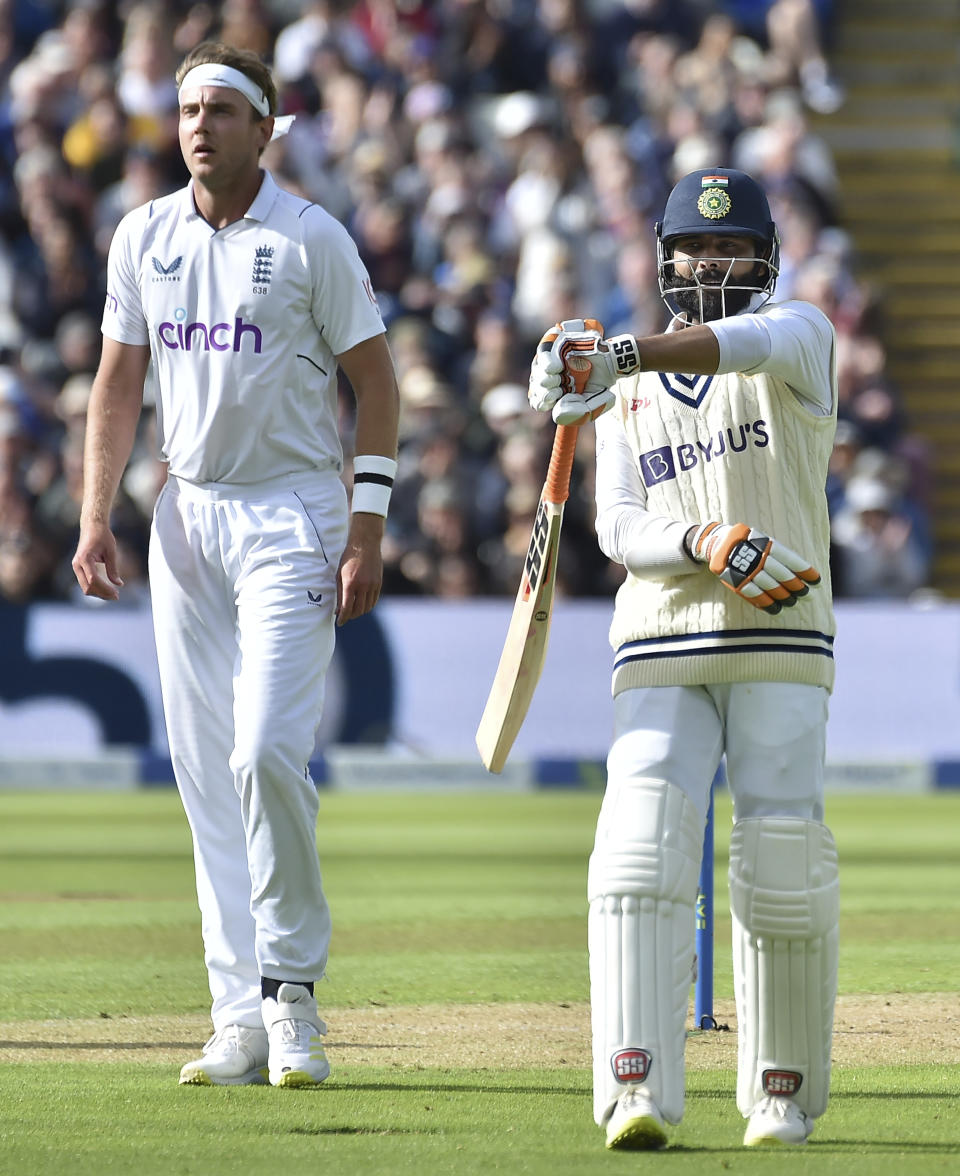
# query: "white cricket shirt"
x,y
244,324
749,444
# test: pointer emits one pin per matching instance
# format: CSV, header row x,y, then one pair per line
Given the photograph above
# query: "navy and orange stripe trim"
x,y
726,642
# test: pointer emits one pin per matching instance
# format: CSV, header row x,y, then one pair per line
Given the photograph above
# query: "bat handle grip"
x,y
557,488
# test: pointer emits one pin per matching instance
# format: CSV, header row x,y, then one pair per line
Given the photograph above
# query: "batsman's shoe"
x,y
776,1121
296,1034
636,1123
234,1056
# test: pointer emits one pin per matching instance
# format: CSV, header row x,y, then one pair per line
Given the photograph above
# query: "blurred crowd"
x,y
500,164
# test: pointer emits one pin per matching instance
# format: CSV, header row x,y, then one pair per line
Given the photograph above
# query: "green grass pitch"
x,y
453,903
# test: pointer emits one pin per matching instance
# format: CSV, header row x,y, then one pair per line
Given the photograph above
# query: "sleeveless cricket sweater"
x,y
731,448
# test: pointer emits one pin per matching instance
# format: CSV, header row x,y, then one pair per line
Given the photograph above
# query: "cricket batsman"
x,y
711,463
245,299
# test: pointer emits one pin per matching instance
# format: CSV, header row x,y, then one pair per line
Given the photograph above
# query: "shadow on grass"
x,y
861,1146
820,1147
459,1088
360,1131
844,1095
184,1045
99,1045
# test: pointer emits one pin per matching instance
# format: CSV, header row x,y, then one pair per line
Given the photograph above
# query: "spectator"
x,y
26,567
794,32
847,446
880,556
145,88
796,53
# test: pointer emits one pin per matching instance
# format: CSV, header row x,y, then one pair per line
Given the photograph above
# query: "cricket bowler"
x,y
244,299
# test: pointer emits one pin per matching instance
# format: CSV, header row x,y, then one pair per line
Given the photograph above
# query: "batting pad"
x,y
642,887
785,900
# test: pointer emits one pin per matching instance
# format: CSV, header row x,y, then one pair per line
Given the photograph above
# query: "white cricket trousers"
x,y
668,742
243,585
773,735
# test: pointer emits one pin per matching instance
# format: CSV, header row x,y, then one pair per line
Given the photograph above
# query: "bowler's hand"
x,y
360,575
95,562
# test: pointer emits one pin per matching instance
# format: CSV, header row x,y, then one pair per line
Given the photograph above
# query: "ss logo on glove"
x,y
743,558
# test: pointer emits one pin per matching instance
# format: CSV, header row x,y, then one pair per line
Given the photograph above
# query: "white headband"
x,y
212,74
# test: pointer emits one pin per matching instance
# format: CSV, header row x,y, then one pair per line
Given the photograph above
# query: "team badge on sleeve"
x,y
368,290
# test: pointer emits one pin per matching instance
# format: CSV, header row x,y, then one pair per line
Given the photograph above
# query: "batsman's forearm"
x,y
112,417
649,546
693,351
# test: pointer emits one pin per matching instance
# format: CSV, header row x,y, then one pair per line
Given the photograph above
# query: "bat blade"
x,y
525,647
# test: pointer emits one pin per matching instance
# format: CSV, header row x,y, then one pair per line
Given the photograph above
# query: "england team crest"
x,y
263,267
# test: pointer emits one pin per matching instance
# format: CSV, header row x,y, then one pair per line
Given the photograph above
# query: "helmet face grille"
x,y
721,294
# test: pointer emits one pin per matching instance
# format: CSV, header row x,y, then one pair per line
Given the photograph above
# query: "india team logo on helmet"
x,y
714,200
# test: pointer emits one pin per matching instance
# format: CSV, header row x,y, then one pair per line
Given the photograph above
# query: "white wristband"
x,y
372,483
625,353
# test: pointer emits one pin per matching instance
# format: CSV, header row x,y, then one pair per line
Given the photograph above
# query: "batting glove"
x,y
760,570
610,359
553,383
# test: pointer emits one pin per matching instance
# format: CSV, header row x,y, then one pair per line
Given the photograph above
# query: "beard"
x,y
709,301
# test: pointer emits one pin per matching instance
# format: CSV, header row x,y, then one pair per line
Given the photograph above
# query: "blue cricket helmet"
x,y
718,200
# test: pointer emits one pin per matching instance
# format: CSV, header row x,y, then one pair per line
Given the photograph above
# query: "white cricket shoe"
x,y
636,1122
295,1034
776,1121
234,1056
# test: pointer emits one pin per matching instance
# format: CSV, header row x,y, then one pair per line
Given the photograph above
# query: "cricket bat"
x,y
525,647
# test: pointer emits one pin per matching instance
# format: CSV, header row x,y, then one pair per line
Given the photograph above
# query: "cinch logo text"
x,y
200,337
663,464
